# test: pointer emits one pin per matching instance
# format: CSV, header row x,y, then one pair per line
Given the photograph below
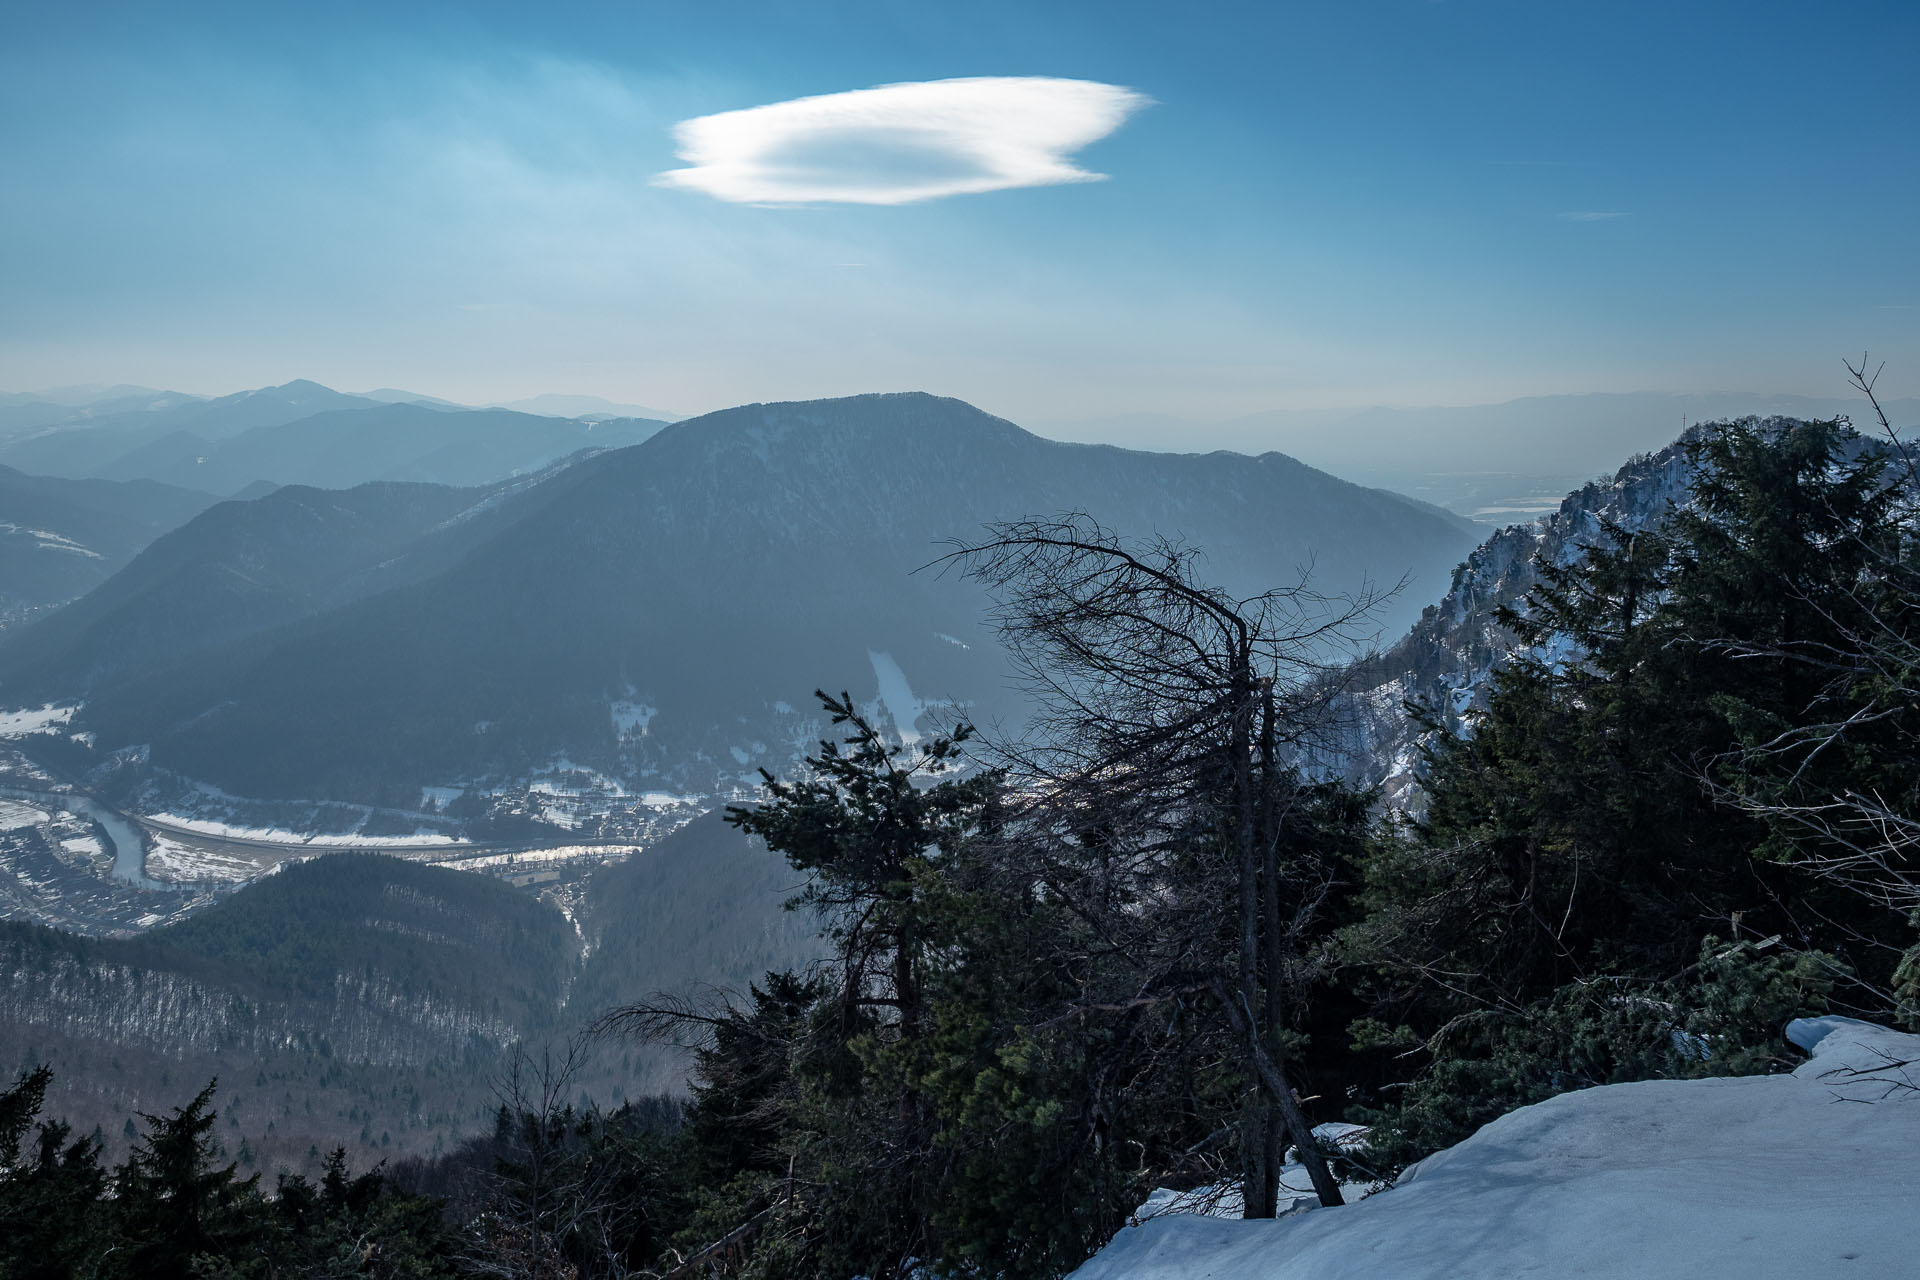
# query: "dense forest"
x,y
1143,947
374,1003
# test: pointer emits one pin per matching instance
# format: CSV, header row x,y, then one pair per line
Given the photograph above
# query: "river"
x,y
129,849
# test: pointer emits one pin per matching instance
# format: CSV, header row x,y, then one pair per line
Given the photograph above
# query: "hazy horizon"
x,y
1476,459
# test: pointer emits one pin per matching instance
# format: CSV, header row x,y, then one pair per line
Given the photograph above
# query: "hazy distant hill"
x,y
304,433
342,448
664,616
92,437
569,406
22,413
245,567
61,538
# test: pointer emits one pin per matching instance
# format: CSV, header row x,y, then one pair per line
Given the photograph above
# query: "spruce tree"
x,y
52,1213
175,1202
1579,833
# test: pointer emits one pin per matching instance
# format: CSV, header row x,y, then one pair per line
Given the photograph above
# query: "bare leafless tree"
x,y
1155,779
547,1198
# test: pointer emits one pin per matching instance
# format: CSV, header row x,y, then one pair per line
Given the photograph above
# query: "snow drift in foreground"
x,y
1811,1174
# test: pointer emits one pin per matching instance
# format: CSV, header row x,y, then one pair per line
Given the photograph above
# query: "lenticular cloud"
x,y
901,143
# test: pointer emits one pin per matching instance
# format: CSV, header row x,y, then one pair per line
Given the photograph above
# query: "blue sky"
x,y
1364,203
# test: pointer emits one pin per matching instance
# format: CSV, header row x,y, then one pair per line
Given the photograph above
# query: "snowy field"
x,y
85,846
18,724
176,863
534,857
275,835
1805,1175
14,814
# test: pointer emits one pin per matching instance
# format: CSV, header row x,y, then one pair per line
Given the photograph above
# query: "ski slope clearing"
x,y
1811,1174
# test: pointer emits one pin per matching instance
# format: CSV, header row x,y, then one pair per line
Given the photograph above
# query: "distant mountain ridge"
x,y
657,616
24,412
248,567
91,437
304,433
61,538
576,406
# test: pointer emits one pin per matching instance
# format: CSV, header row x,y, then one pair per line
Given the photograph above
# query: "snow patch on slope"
x,y
1809,1174
630,719
47,719
47,541
896,695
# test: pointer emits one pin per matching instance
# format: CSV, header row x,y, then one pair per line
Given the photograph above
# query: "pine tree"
x,y
175,1202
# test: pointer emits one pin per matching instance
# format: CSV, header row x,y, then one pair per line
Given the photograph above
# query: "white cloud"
x,y
901,143
1594,215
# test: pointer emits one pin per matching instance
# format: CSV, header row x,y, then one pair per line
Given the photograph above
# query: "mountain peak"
x,y
299,387
881,415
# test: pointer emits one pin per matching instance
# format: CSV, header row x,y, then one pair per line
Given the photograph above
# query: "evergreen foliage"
x,y
1579,842
173,1210
1721,1018
463,938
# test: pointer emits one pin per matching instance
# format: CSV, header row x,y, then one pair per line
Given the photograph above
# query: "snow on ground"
x,y
1296,1187
896,695
175,862
1811,1174
14,815
46,540
668,800
85,846
274,835
630,718
533,857
18,724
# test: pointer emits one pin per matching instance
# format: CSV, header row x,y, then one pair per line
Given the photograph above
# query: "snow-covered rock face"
x,y
1801,1175
1446,660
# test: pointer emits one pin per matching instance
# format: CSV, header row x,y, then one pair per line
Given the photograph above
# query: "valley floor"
x,y
1816,1173
67,862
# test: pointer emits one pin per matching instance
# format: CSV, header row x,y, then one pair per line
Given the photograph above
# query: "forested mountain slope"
x,y
88,438
406,442
371,1001
246,567
700,909
304,433
61,538
665,623
344,992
